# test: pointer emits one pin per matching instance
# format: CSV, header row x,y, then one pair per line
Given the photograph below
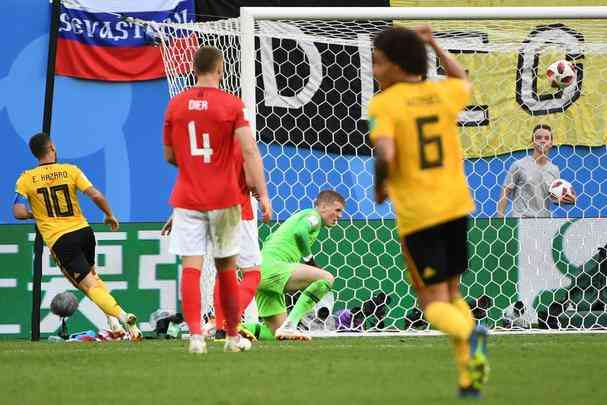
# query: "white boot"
x,y
236,344
287,331
115,327
197,344
129,321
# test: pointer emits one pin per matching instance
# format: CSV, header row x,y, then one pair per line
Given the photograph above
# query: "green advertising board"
x,y
143,276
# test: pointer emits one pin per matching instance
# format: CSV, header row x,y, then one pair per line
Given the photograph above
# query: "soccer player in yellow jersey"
x,y
419,165
50,188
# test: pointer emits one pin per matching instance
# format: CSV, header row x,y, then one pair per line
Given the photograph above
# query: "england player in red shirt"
x,y
199,130
249,259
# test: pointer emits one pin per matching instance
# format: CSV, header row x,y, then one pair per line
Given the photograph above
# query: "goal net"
x,y
309,95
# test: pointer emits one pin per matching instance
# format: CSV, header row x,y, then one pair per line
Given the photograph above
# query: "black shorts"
x,y
74,253
436,254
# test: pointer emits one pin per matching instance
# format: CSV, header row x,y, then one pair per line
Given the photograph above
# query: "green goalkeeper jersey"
x,y
294,238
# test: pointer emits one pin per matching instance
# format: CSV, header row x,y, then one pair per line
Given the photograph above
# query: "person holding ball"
x,y
528,180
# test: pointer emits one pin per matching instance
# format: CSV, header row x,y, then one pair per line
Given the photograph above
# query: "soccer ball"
x,y
64,304
559,188
561,74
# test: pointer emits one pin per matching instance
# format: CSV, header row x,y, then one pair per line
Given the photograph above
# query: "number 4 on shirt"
x,y
206,151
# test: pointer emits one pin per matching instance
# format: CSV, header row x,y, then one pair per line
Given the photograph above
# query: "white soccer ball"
x,y
559,188
561,73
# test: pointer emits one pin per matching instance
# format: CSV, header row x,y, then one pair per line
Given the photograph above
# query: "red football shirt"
x,y
245,194
199,125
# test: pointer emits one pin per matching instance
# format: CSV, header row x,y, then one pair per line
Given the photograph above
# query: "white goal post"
x,y
305,77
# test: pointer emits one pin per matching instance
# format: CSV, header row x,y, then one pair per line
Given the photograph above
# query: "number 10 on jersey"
x,y
206,151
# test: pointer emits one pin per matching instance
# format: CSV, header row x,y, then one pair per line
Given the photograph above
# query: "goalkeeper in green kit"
x,y
288,266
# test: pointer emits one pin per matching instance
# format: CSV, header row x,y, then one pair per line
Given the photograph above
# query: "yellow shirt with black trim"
x,y
426,181
51,192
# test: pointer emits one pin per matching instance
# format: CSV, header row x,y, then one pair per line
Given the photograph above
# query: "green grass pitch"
x,y
526,369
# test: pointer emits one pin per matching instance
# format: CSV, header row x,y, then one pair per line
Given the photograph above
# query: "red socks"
x,y
190,298
219,318
246,292
228,300
248,287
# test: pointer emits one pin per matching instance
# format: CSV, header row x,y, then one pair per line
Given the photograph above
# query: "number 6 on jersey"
x,y
206,151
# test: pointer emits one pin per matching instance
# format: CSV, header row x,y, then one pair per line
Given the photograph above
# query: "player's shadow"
x,y
88,117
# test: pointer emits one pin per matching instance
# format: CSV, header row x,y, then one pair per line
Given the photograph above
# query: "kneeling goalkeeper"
x,y
282,269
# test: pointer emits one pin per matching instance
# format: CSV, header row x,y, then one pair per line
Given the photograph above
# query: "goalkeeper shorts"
x,y
270,296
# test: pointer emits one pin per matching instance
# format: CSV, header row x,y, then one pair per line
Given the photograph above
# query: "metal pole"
x,y
50,67
46,127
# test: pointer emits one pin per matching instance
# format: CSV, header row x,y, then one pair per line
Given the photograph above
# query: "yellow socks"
x,y
448,319
105,301
462,358
462,348
464,309
456,321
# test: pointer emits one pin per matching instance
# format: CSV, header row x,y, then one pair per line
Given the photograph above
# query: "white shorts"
x,y
192,230
250,255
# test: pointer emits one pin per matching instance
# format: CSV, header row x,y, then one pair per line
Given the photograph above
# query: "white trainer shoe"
x,y
115,327
288,332
237,344
131,327
197,344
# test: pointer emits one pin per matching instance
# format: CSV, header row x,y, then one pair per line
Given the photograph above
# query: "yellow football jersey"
x,y
51,191
426,181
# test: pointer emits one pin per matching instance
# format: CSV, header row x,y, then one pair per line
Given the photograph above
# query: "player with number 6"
x,y
419,165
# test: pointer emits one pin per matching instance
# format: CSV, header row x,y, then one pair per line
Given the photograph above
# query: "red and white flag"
x,y
96,43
